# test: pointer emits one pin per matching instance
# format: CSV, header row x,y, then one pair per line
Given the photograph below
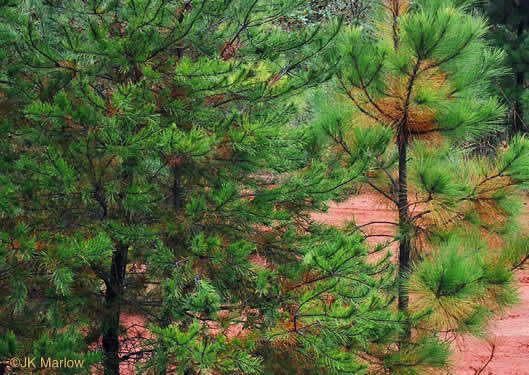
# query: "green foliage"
x,y
7,345
342,309
412,94
151,170
65,345
354,11
432,46
459,282
419,358
510,31
155,166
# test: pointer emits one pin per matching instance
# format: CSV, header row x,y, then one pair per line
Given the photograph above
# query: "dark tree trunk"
x,y
404,228
113,297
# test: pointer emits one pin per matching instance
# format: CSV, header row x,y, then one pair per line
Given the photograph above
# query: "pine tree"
x,y
149,168
412,96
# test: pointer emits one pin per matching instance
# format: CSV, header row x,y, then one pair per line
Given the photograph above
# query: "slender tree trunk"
x,y
404,228
113,297
402,198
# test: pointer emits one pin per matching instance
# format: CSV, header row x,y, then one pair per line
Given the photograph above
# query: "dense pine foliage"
x,y
161,160
150,169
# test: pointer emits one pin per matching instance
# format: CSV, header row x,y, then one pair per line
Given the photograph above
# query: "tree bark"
x,y
404,228
113,298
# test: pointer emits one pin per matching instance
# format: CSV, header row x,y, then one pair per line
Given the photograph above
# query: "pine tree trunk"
x,y
404,228
113,297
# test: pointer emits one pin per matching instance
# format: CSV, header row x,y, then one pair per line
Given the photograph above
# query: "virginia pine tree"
x,y
412,95
149,170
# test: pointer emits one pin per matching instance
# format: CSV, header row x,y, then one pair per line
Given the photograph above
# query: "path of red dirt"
x,y
509,334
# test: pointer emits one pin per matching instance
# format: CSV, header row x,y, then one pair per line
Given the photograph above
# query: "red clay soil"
x,y
509,334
